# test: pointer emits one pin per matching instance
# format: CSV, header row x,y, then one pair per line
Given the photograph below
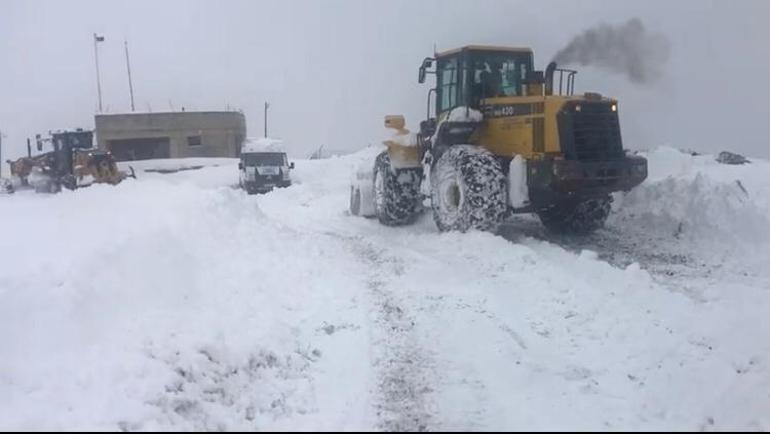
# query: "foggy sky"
x,y
332,69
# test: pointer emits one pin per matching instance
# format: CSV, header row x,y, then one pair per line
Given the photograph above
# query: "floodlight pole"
x,y
98,78
130,83
267,105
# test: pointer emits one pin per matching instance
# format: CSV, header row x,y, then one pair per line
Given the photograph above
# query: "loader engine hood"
x,y
589,129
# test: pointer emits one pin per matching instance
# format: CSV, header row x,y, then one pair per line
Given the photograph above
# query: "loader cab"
x,y
472,74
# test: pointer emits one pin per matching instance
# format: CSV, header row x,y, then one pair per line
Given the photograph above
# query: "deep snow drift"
x,y
178,302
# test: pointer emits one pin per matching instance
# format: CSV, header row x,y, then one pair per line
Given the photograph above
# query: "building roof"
x,y
166,113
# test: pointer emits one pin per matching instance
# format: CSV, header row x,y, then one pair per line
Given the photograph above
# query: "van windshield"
x,y
265,159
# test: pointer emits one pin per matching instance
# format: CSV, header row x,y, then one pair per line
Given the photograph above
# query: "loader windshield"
x,y
498,74
467,76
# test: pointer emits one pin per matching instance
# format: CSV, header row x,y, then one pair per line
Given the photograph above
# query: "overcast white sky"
x,y
333,69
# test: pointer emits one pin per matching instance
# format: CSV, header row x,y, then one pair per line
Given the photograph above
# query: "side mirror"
x,y
427,63
291,165
39,141
240,165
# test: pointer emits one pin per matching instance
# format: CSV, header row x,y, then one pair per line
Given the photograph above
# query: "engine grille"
x,y
592,133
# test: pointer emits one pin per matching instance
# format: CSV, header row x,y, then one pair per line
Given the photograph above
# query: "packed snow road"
x,y
178,302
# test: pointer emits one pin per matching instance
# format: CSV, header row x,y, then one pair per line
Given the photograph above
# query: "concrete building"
x,y
141,136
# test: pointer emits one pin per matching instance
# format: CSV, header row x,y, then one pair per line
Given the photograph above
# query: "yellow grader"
x,y
503,138
72,163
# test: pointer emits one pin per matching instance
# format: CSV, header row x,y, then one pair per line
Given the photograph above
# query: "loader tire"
x,y
69,182
48,186
468,190
397,198
581,217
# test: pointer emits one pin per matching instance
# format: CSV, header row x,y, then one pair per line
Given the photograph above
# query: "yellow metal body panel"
x,y
510,133
523,125
528,128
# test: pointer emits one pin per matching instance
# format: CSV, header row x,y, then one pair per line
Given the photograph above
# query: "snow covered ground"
x,y
176,301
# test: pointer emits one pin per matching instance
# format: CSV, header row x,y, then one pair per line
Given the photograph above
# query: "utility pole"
x,y
130,84
266,107
98,39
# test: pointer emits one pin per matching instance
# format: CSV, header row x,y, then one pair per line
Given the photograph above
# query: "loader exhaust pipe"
x,y
549,70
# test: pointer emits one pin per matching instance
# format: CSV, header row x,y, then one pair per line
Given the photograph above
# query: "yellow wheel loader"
x,y
503,138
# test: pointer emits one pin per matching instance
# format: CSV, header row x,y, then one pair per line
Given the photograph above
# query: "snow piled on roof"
x,y
263,144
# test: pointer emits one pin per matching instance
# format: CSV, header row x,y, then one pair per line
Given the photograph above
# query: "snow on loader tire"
x,y
576,217
397,198
468,190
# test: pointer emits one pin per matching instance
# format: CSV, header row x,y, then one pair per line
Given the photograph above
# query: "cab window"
x,y
447,84
499,74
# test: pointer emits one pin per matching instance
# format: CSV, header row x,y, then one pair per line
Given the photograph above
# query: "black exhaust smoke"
x,y
626,49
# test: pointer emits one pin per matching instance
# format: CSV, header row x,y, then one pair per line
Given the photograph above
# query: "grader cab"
x,y
72,163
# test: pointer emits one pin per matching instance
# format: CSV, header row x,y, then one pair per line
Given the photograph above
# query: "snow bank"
x,y
177,302
171,302
696,198
172,165
198,172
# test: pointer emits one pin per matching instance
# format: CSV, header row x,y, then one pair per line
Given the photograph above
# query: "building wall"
x,y
221,133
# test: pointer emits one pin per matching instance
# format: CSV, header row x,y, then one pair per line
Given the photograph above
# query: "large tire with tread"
x,y
580,217
468,190
69,182
397,198
48,186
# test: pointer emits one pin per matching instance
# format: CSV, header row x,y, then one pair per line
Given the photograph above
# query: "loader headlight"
x,y
614,107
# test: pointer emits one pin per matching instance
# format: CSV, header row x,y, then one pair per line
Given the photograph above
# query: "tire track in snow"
x,y
614,245
405,370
